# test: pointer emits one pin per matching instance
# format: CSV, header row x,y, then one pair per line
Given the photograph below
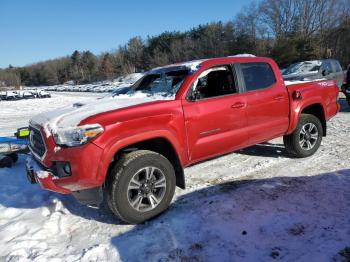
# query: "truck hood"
x,y
71,116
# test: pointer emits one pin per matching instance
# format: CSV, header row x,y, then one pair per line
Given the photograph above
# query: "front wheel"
x,y
141,185
306,138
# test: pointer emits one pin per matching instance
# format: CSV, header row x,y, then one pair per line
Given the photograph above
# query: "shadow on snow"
x,y
296,218
17,192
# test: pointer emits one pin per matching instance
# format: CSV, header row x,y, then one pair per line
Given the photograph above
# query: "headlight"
x,y
77,136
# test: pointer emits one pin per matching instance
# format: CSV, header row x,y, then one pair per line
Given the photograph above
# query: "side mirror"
x,y
22,133
195,95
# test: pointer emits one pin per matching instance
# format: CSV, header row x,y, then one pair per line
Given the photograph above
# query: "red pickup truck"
x,y
132,149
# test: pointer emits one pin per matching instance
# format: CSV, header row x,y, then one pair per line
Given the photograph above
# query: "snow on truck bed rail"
x,y
296,82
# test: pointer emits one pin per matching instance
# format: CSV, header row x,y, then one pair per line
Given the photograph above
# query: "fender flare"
x,y
298,108
116,145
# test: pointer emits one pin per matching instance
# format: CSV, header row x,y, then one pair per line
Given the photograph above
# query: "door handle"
x,y
279,98
238,105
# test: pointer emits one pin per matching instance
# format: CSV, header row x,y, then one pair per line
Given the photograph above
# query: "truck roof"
x,y
194,65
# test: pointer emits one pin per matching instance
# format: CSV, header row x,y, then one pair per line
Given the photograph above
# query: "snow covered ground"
x,y
257,204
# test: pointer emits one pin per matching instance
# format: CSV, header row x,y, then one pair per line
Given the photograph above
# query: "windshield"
x,y
165,83
303,67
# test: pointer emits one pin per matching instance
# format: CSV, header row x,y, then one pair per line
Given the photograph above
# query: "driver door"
x,y
215,121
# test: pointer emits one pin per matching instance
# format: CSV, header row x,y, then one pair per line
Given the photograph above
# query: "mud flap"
x,y
91,197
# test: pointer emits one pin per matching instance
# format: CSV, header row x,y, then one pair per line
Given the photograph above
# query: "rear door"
x,y
214,113
267,102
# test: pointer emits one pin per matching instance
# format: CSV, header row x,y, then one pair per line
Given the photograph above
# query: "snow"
x,y
71,116
15,114
39,171
289,83
243,55
132,78
253,205
322,82
303,68
193,66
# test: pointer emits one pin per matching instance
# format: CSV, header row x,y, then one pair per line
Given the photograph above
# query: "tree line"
x,y
286,30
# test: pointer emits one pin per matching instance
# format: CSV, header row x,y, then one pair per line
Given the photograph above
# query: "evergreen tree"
x,y
76,73
90,66
106,68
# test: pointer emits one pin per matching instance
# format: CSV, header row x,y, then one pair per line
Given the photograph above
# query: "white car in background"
x,y
25,94
9,95
84,88
61,88
43,94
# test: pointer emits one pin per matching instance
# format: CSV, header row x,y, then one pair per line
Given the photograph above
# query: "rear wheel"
x,y
306,138
141,186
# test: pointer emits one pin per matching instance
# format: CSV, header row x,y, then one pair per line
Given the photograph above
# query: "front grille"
x,y
36,142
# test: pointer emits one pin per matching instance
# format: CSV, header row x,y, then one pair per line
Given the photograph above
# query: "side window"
x,y
257,76
315,68
337,66
214,82
174,80
327,66
150,83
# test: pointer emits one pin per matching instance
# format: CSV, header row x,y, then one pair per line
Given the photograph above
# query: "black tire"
x,y
117,190
6,161
293,141
14,157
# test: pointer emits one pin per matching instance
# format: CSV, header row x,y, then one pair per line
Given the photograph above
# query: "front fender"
x,y
114,147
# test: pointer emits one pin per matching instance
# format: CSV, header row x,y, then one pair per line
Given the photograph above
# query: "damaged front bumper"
x,y
46,178
36,173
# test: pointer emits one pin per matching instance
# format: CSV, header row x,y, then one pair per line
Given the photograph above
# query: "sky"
x,y
37,30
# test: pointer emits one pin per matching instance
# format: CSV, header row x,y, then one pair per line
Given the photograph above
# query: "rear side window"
x,y
337,66
327,66
257,76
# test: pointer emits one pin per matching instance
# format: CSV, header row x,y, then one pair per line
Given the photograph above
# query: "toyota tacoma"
x,y
131,150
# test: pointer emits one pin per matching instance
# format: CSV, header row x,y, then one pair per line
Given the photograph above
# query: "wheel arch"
x,y
313,108
318,111
159,144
